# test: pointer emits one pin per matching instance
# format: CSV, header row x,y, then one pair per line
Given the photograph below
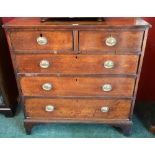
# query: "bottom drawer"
x,y
78,109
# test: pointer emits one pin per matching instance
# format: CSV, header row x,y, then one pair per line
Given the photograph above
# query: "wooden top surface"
x,y
109,22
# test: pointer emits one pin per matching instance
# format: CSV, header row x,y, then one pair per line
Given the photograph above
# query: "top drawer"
x,y
110,41
42,40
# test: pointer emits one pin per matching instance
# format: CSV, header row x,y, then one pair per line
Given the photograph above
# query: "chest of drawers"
x,y
78,71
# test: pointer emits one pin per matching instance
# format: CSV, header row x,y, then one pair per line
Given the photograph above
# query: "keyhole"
x,y
41,35
76,57
76,80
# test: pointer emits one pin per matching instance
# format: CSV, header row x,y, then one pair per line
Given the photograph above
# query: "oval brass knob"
x,y
47,86
49,108
44,64
111,41
107,87
109,64
104,109
42,40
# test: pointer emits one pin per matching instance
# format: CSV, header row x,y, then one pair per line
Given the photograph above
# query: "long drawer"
x,y
84,109
110,40
42,40
77,64
77,86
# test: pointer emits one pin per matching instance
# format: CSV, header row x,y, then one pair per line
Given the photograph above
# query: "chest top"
x,y
79,23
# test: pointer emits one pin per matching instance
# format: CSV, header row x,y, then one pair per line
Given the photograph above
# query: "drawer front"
x,y
77,64
77,86
110,41
77,109
38,40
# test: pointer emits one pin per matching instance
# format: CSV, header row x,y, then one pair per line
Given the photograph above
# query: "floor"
x,y
13,127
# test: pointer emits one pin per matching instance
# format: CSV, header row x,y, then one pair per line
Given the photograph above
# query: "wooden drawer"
x,y
77,86
84,109
47,40
96,40
77,64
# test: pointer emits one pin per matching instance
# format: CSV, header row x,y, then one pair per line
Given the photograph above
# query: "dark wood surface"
x,y
77,86
77,64
119,23
77,109
152,128
78,51
95,40
57,40
8,86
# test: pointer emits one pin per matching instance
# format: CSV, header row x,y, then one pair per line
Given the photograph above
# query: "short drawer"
x,y
110,41
41,40
77,86
77,64
84,109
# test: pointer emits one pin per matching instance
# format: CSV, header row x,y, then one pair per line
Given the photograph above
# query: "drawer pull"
x,y
44,64
47,86
111,41
42,40
49,108
107,87
109,64
104,109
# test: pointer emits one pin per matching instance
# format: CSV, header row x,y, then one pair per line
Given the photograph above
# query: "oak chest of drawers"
x,y
78,71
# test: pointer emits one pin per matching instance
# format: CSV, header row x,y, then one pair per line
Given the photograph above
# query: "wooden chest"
x,y
78,71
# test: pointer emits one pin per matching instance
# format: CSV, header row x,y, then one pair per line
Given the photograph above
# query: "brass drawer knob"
x,y
42,40
111,41
104,109
49,108
44,64
47,86
109,64
107,87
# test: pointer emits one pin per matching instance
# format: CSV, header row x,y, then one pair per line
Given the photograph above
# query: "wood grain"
x,y
57,40
95,40
107,23
77,109
77,64
77,86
